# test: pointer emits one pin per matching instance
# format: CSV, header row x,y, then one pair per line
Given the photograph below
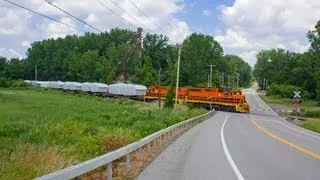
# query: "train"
x,y
224,99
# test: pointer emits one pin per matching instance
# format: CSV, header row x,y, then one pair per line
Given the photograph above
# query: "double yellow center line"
x,y
297,147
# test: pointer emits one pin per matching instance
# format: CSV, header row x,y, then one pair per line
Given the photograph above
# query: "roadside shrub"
x,y
4,82
18,83
313,113
8,82
285,91
169,102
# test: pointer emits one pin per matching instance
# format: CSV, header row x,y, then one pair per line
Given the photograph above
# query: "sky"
x,y
243,27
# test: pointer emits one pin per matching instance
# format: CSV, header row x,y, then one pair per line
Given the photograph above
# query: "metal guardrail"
x,y
77,170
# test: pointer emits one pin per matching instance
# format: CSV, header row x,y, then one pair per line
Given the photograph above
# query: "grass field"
x,y
45,130
313,125
311,110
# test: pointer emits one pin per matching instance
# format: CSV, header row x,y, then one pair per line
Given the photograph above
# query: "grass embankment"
x,y
45,130
310,109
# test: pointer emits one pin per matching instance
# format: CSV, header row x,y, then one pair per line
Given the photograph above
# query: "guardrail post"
x,y
148,147
140,153
109,171
128,161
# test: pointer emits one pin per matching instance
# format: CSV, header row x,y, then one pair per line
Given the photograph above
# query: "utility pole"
x,y
178,72
237,82
208,84
267,84
211,66
159,84
222,80
36,73
264,83
228,81
233,82
139,44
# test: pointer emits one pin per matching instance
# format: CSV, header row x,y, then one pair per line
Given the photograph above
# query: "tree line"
x,y
286,71
103,57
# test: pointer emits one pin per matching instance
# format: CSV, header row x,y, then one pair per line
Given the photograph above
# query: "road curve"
x,y
259,145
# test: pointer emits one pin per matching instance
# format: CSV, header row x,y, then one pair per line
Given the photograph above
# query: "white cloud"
x,y
180,32
92,18
12,22
9,53
206,12
254,25
55,29
21,26
25,44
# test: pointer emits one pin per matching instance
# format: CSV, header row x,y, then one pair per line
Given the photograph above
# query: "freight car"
x,y
219,98
120,90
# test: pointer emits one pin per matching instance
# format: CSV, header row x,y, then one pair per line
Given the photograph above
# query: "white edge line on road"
x,y
296,130
226,152
255,97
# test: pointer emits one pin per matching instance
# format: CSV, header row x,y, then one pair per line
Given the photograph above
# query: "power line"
x,y
18,5
124,18
73,16
149,53
115,13
130,15
146,16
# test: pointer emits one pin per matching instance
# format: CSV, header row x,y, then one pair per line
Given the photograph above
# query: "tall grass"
x,y
313,125
53,129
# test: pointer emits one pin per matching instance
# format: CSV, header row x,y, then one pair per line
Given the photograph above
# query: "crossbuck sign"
x,y
297,94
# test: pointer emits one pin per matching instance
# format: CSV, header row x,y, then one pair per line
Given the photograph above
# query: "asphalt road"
x,y
259,145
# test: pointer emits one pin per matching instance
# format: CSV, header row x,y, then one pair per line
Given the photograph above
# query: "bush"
x,y
18,83
8,82
169,102
312,113
286,91
4,82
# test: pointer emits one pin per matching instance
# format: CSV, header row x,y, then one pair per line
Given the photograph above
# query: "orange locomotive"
x,y
219,98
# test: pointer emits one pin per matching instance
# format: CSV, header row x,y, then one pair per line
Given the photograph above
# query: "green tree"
x,y
3,64
271,63
236,66
146,75
15,69
198,51
314,39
